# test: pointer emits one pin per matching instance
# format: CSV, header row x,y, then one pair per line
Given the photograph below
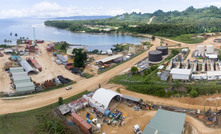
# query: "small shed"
x,y
64,109
180,74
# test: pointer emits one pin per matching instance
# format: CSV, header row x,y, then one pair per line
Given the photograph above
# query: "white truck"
x,y
137,129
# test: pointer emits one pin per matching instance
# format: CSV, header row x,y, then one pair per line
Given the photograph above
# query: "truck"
x,y
137,129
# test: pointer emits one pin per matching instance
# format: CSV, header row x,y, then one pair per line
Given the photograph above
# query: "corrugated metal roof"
x,y
19,74
166,122
181,71
110,58
18,78
26,66
25,89
61,58
16,69
27,84
64,109
165,75
104,96
22,81
130,98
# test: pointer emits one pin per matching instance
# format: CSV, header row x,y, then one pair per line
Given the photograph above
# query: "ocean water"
x,y
24,28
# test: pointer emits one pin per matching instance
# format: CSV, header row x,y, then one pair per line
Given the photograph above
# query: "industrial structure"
x,y
21,81
166,122
109,59
163,49
155,56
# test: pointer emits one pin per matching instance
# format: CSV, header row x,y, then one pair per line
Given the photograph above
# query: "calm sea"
x,y
24,28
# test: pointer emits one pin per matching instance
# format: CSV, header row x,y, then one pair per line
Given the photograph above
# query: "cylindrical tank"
x,y
163,49
210,49
155,56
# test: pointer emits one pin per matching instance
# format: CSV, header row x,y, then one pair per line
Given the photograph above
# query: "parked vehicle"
x,y
68,87
137,129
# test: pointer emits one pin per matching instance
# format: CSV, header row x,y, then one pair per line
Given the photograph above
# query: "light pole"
x,y
34,26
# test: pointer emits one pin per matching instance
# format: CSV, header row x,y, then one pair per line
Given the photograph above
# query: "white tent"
x,y
104,96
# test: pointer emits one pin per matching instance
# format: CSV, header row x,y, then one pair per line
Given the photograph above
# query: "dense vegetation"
x,y
168,24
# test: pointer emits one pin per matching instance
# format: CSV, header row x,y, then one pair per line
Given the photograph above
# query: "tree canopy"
x,y
80,57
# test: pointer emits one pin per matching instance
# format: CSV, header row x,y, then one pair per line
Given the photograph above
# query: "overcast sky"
x,y
64,8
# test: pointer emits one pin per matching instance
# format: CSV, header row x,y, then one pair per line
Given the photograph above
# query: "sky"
x,y
65,8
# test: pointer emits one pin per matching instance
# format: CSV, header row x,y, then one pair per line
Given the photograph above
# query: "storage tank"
x,y
209,49
155,56
163,49
200,48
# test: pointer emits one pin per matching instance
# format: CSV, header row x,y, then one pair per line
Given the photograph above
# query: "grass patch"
x,y
188,38
58,49
26,122
87,75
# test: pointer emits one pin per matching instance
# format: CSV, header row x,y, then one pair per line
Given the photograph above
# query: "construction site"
x,y
124,112
119,114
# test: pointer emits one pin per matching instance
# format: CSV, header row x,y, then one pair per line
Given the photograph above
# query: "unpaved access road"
x,y
46,98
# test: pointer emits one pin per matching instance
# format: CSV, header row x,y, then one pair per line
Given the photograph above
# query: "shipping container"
x,y
81,123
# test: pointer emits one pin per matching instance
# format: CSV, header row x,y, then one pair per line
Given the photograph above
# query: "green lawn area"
x,y
57,48
187,38
26,122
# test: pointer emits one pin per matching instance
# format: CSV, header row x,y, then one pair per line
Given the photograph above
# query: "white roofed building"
x,y
214,75
181,74
102,98
110,58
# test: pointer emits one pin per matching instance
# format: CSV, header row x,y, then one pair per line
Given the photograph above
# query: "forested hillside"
x,y
168,24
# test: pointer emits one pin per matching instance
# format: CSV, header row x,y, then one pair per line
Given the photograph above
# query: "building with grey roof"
x,y
16,69
27,66
62,59
27,87
130,98
166,122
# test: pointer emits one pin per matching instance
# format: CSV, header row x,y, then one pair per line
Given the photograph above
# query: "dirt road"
x,y
46,98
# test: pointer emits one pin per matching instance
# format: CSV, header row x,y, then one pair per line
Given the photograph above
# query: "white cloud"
x,y
52,9
214,3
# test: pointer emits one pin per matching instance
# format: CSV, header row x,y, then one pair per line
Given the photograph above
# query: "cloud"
x,y
214,3
51,9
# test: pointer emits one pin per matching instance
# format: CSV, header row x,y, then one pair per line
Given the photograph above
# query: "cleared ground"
x,y
4,77
43,99
142,118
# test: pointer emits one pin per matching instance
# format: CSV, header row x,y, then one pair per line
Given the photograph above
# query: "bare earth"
x,y
46,98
